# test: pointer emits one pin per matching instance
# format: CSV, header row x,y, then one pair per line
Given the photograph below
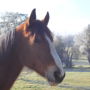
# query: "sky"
x,y
67,17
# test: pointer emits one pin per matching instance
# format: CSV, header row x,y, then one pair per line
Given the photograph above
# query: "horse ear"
x,y
46,19
32,16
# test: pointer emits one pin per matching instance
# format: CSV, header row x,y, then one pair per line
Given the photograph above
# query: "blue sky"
x,y
66,16
83,7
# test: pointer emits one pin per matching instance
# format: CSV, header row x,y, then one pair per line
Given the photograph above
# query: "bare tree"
x,y
64,47
87,33
68,50
80,44
82,41
10,20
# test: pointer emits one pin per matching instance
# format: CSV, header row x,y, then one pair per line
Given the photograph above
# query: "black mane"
x,y
6,42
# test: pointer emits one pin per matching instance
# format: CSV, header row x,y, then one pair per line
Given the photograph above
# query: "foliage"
x,y
64,47
87,32
82,41
10,20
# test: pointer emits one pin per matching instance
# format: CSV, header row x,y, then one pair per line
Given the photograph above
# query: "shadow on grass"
x,y
75,87
35,81
60,86
78,69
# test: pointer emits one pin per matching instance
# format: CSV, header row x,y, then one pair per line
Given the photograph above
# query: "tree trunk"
x,y
68,60
88,56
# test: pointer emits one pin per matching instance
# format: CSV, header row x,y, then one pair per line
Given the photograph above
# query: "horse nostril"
x,y
58,79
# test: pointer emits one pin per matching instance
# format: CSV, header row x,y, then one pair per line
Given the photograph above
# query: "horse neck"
x,y
9,74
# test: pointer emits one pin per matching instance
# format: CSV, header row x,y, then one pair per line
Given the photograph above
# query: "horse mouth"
x,y
52,83
57,79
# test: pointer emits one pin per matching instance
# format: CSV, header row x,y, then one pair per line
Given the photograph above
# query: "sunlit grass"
x,y
74,80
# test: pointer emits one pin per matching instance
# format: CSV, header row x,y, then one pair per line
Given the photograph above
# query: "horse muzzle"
x,y
55,77
57,80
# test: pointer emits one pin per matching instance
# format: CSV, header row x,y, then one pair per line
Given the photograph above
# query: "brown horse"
x,y
30,45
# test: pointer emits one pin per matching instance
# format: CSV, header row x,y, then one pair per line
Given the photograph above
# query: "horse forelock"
x,y
38,27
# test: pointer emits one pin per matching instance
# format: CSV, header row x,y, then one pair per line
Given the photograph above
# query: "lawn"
x,y
77,78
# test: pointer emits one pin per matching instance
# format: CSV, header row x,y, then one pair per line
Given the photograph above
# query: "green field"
x,y
77,78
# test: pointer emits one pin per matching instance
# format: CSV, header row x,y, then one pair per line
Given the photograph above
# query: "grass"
x,y
76,79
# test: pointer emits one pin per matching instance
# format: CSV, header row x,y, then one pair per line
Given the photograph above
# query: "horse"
x,y
30,45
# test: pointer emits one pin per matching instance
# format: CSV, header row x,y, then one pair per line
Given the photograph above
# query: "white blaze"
x,y
55,55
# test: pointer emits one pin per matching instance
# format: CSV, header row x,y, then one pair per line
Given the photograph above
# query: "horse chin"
x,y
52,83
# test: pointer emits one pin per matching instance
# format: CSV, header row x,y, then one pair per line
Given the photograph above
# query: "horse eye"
x,y
38,40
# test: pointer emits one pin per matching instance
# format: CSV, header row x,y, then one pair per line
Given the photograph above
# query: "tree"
x,y
60,47
82,41
87,33
68,50
10,20
64,47
79,45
